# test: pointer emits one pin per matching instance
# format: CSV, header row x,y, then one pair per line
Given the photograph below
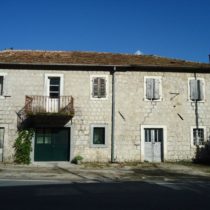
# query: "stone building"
x,y
103,106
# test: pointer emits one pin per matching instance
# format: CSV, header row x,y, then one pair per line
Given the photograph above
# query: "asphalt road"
x,y
148,194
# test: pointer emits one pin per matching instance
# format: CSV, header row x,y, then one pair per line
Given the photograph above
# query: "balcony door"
x,y
53,94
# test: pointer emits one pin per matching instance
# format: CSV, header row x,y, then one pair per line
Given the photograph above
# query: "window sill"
x,y
197,101
199,146
99,99
158,100
98,146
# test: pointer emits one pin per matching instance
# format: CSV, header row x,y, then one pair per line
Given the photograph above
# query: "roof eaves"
x,y
129,66
63,64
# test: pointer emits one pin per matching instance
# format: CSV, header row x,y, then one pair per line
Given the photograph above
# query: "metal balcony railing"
x,y
63,105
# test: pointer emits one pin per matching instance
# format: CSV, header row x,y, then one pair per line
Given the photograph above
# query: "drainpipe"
x,y
113,116
196,108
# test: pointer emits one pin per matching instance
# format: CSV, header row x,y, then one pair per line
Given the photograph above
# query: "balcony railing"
x,y
35,105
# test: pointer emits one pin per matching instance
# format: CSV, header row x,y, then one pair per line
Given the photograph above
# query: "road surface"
x,y
128,195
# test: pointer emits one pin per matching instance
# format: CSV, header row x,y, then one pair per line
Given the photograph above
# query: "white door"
x,y
1,143
153,144
53,94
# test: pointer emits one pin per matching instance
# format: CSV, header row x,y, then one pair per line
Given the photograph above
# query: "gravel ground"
x,y
95,172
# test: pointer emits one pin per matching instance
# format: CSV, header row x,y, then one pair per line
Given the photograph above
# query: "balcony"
x,y
46,110
41,105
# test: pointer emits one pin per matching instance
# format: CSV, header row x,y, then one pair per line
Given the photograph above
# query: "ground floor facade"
x,y
55,144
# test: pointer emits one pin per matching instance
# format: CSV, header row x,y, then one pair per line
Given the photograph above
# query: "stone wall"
x,y
19,83
175,111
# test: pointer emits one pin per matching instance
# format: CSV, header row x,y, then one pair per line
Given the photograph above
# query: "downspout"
x,y
196,115
196,109
113,117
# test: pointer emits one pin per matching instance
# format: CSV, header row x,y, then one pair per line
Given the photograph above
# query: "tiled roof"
x,y
90,58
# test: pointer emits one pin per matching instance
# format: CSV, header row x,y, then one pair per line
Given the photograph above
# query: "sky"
x,y
169,28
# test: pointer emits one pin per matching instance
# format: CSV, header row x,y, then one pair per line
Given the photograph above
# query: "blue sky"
x,y
169,28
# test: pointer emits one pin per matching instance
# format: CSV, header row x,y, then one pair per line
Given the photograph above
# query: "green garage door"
x,y
52,144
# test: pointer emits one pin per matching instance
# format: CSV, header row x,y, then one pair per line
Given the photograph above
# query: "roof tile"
x,y
90,58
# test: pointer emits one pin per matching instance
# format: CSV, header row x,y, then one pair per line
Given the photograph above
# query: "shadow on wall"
x,y
203,154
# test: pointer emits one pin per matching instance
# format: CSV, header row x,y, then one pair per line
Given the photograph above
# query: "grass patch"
x,y
119,165
95,165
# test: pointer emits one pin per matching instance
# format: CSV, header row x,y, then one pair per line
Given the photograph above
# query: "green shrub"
x,y
22,146
77,159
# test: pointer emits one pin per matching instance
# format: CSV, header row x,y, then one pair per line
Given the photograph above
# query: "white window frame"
x,y
160,87
46,88
164,140
91,86
97,125
191,134
204,85
4,75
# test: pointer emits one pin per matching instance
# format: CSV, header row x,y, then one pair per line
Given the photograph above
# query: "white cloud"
x,y
138,52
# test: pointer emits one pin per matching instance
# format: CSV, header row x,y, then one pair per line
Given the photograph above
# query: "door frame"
x,y
70,144
46,83
6,138
164,146
47,89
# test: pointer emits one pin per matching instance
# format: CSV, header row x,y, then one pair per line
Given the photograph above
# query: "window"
x,y
98,135
1,85
54,87
1,137
153,134
99,87
196,89
43,136
152,88
198,136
